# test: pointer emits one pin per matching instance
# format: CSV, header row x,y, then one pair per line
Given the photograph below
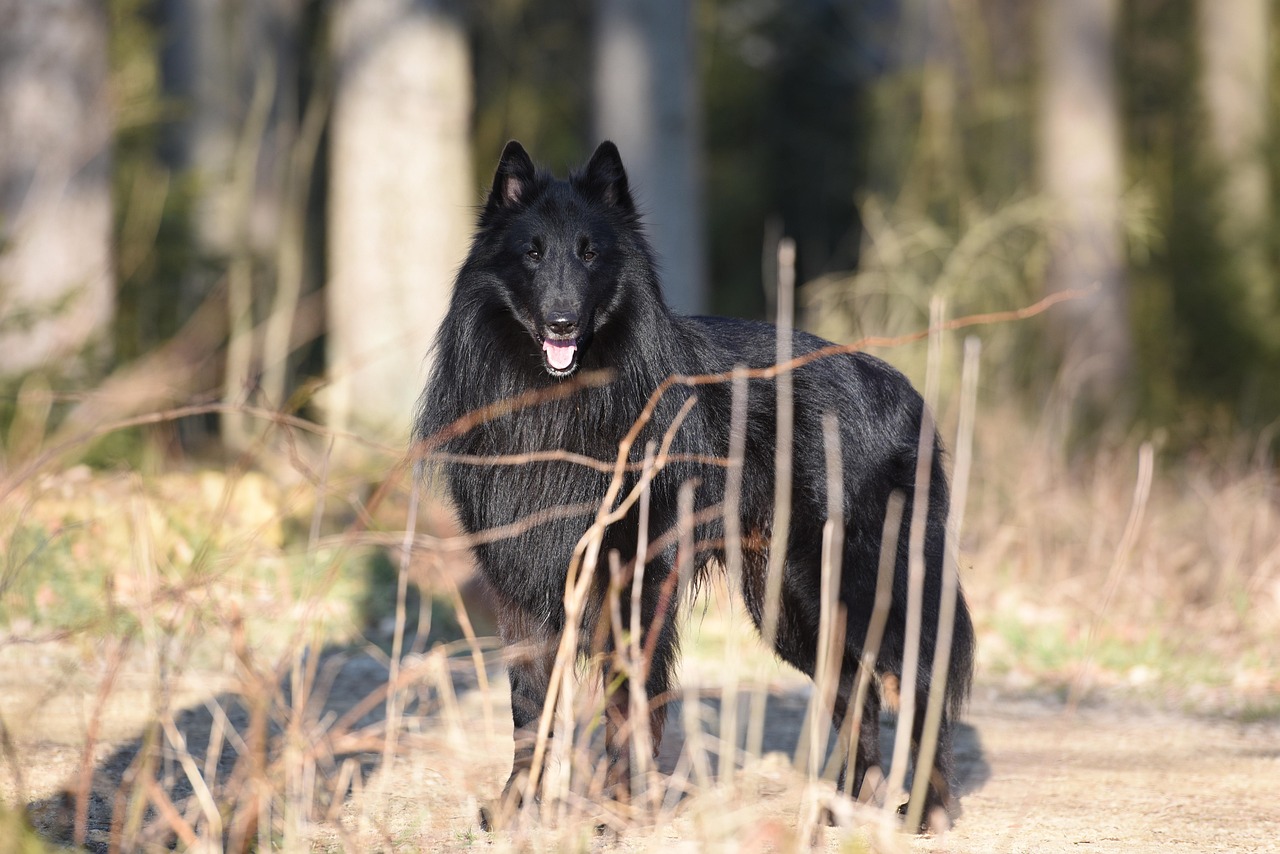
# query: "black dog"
x,y
559,280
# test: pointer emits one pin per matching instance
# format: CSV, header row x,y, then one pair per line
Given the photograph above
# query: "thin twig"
x,y
85,782
199,786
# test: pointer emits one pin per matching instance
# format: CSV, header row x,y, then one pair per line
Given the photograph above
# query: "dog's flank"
x,y
560,280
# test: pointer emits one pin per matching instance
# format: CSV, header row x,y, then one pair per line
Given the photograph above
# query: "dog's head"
x,y
561,248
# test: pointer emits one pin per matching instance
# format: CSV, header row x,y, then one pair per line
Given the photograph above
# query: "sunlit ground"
x,y
227,633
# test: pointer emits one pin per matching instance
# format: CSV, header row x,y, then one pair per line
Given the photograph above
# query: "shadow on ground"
x,y
218,736
351,684
784,728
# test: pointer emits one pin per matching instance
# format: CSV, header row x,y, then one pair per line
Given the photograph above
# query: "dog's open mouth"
x,y
560,356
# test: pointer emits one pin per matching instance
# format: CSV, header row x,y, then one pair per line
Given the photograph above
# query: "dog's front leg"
x,y
617,735
621,716
529,671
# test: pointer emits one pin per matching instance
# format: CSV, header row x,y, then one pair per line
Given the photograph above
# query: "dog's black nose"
x,y
563,323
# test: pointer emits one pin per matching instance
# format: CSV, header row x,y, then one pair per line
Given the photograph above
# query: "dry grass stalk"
x,y
1124,551
636,668
875,630
927,748
781,524
830,641
397,638
915,568
728,749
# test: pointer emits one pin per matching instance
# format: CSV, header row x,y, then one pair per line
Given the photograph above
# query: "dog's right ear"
x,y
515,175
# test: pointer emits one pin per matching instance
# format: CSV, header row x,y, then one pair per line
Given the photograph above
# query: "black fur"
x,y
563,267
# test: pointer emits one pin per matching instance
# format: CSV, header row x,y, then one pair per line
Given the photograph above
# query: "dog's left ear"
x,y
605,177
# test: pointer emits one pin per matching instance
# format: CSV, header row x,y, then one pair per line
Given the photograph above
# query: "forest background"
x,y
228,230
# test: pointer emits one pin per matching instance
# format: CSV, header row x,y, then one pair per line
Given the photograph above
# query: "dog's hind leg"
x,y
867,754
867,784
868,768
938,803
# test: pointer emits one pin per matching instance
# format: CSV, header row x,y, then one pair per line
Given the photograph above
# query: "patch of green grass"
x,y
1039,646
1158,659
106,554
376,605
43,579
16,835
1259,711
857,843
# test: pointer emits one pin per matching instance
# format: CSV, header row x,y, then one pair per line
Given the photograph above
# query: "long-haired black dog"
x,y
560,279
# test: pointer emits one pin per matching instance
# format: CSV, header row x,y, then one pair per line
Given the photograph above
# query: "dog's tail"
x,y
963,649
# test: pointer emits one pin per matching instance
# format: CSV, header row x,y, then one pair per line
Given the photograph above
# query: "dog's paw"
x,y
936,819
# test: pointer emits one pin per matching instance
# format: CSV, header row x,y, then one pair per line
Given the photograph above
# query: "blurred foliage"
x,y
896,141
154,242
110,553
1209,363
785,89
949,206
533,69
427,621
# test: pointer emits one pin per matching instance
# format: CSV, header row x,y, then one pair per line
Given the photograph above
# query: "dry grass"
x,y
1189,614
188,657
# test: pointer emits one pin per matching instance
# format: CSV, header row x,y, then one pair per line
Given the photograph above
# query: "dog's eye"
x,y
588,256
533,255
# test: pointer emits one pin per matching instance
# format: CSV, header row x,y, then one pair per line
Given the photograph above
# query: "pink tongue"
x,y
559,356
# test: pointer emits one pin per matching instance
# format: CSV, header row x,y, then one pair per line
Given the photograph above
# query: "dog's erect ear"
x,y
514,176
605,177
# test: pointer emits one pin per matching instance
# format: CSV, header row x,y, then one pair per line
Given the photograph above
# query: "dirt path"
x,y
1033,778
1105,779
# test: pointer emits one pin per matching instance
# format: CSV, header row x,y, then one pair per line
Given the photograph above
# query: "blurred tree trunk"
x,y
401,202
56,281
218,54
1234,59
1081,169
646,101
234,68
